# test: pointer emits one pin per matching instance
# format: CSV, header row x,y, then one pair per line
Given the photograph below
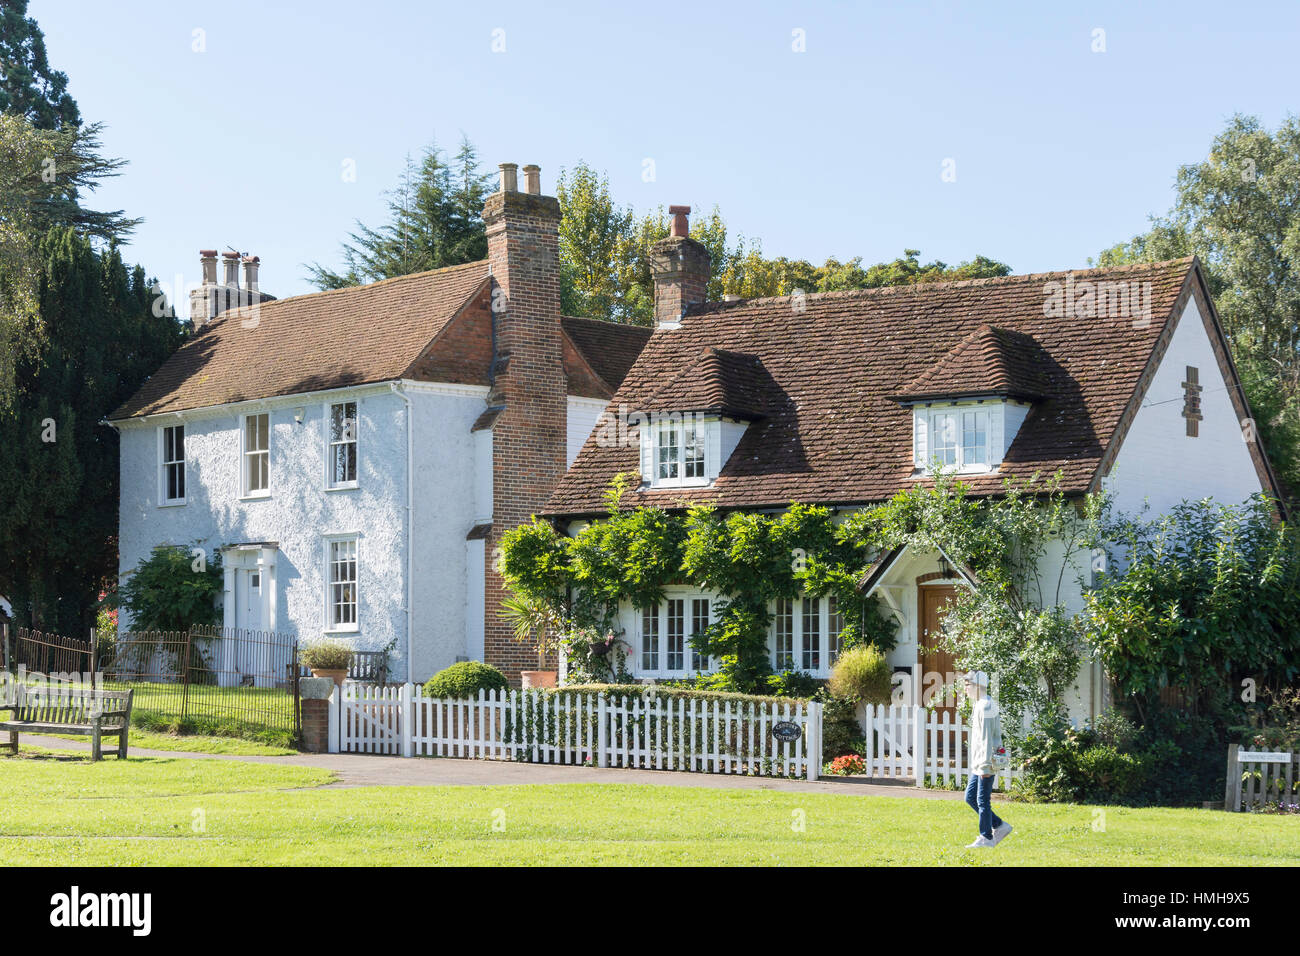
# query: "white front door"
x,y
248,584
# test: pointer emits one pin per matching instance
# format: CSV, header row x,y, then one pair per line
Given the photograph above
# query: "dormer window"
x,y
679,450
966,437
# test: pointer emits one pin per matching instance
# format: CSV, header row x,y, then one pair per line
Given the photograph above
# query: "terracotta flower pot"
x,y
338,675
538,678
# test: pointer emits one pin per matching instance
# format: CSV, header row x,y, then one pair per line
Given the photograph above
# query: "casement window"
x,y
342,450
650,639
966,438
806,634
676,447
834,629
810,630
699,624
256,456
341,596
171,477
666,631
783,626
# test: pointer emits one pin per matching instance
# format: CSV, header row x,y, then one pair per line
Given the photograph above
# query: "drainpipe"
x,y
410,543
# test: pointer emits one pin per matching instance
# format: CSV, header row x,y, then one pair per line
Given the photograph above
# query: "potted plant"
x,y
535,622
329,658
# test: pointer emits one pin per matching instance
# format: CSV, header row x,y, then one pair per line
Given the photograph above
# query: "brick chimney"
x,y
211,298
681,269
528,381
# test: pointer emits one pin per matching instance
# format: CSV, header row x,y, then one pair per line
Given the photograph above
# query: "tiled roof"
x,y
359,335
610,348
834,434
718,380
989,361
369,333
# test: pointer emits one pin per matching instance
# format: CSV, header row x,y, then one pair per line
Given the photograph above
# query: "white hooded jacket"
x,y
985,736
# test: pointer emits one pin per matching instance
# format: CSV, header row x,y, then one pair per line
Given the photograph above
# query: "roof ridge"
x,y
717,306
391,280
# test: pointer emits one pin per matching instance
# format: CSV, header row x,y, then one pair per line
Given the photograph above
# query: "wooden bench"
x,y
74,710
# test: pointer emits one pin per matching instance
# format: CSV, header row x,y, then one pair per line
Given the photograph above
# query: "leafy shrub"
x,y
863,674
173,590
327,655
841,731
794,684
465,679
847,764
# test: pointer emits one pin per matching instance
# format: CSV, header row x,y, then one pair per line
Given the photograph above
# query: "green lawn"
x,y
64,811
191,743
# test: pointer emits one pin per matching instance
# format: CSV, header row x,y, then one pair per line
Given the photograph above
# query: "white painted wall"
x,y
1158,463
298,513
447,505
583,414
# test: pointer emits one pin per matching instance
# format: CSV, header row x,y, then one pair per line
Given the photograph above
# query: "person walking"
x,y
985,741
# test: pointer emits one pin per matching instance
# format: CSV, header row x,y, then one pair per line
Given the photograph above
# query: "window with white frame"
x,y
699,624
959,438
677,450
257,455
834,629
343,445
783,628
806,634
810,635
172,476
342,594
667,628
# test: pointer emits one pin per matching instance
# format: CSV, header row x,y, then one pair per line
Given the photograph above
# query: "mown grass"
x,y
147,811
190,743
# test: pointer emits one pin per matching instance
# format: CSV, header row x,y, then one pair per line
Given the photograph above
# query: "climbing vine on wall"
x,y
747,559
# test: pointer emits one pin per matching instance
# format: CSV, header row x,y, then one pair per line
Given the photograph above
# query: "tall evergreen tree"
x,y
58,510
435,220
28,86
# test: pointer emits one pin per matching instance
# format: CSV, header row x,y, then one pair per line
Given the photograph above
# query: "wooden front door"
x,y
937,666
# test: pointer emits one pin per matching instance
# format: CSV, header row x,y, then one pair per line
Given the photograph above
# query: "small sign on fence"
x,y
787,730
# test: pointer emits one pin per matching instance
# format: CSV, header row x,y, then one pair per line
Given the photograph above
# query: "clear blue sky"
x,y
835,151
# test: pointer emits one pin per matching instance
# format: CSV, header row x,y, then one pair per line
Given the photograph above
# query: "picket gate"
x,y
1258,778
641,730
899,739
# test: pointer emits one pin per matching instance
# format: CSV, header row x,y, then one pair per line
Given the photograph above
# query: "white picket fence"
x,y
644,730
901,739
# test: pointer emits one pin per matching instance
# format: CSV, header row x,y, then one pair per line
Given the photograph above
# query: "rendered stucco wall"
x,y
1159,463
298,513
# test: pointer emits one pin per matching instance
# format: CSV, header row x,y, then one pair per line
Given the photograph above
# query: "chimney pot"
x,y
208,265
250,272
680,226
509,177
533,179
231,262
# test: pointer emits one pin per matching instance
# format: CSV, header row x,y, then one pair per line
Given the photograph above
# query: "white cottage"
x,y
1118,379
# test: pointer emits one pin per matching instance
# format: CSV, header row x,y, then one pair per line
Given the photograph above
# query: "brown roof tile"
x,y
989,361
609,348
833,433
369,333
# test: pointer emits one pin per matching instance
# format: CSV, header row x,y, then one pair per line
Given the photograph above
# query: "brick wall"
x,y
681,276
528,437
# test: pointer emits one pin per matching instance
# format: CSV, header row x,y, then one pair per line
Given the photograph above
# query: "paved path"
x,y
367,770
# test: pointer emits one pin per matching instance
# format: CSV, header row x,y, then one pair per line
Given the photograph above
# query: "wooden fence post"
x,y
918,745
406,727
602,734
1228,788
4,628
336,703
814,745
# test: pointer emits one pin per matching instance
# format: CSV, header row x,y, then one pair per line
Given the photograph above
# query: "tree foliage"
x,y
435,220
1208,596
58,515
29,87
169,591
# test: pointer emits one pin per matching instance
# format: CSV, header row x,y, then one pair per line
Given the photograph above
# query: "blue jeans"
x,y
979,794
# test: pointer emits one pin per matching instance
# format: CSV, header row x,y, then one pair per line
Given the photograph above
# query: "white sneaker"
x,y
981,841
1000,833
